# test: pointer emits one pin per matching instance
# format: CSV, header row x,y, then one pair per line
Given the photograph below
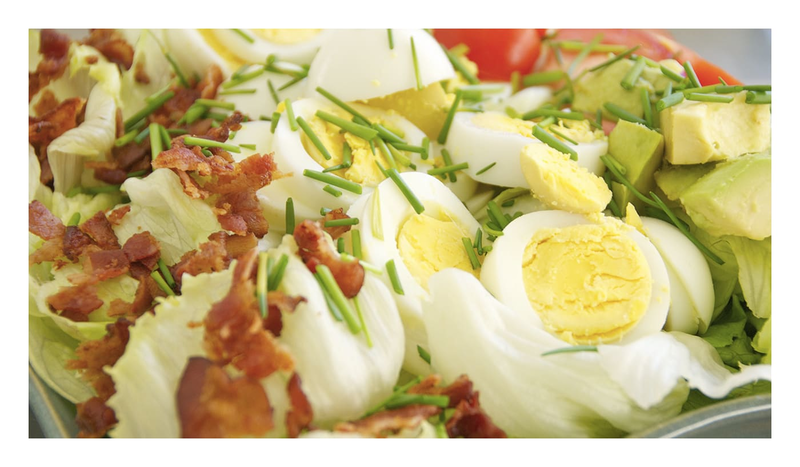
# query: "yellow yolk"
x,y
426,109
560,182
589,283
430,244
233,60
286,36
577,130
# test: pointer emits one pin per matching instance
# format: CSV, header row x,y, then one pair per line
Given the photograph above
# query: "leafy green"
x,y
698,400
150,60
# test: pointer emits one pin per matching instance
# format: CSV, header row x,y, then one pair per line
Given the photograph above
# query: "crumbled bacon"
x,y
234,330
244,213
49,251
185,159
300,413
252,173
237,245
232,122
315,250
336,214
76,302
42,222
140,74
279,303
211,80
99,228
470,421
211,404
47,102
112,45
94,418
388,422
94,355
210,256
43,130
143,247
457,391
107,264
115,216
55,48
76,243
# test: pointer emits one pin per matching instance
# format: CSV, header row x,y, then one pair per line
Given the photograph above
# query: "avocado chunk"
x,y
426,109
699,132
735,198
675,179
640,150
601,86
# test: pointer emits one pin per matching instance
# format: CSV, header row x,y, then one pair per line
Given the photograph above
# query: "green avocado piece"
x,y
601,86
735,198
640,150
675,179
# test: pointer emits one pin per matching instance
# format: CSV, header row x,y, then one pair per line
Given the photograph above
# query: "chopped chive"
x,y
313,137
394,278
449,119
338,182
646,106
335,312
165,138
483,170
623,114
574,348
615,210
338,297
426,145
291,83
423,354
355,239
758,87
292,120
361,321
162,266
126,138
681,226
243,78
704,89
408,148
289,217
244,35
261,283
334,168
544,77
561,135
273,92
553,142
138,173
668,101
544,112
416,65
210,143
584,53
148,109
236,91
614,59
725,89
512,112
632,76
206,152
216,104
448,161
460,67
575,46
546,122
276,117
193,113
400,157
95,190
516,81
612,165
341,104
387,134
340,245
286,68
758,98
391,39
475,92
161,283
174,64
687,65
508,203
447,169
333,191
668,89
404,188
217,117
363,132
479,241
156,145
473,258
708,98
497,215
671,74
251,147
75,219
342,222
386,152
492,230
403,400
276,275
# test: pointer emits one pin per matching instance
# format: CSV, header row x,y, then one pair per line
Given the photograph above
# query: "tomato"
x,y
497,52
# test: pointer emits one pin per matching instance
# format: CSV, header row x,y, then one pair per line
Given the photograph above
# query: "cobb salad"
x,y
394,233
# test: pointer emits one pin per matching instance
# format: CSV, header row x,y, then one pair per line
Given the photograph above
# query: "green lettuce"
x,y
149,58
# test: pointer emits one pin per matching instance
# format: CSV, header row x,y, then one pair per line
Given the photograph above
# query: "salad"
x,y
394,233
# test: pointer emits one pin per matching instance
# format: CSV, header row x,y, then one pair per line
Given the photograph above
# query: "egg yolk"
x,y
589,283
233,60
430,244
579,131
286,36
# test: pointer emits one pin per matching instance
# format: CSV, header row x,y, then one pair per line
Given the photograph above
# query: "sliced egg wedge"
x,y
257,93
255,45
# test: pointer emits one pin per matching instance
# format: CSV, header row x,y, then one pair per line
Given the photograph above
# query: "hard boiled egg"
x,y
585,280
253,137
257,93
419,244
255,45
523,100
492,137
359,64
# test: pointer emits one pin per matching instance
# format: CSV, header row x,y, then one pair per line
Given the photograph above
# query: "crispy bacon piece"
x,y
237,245
336,214
314,250
252,173
143,247
107,264
96,354
46,103
213,405
99,228
140,74
55,48
234,329
470,421
389,422
210,256
115,216
42,222
112,45
279,303
244,213
43,130
75,243
211,80
76,302
49,251
300,414
94,418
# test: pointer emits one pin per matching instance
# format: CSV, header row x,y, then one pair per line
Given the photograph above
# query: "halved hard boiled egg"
x,y
255,45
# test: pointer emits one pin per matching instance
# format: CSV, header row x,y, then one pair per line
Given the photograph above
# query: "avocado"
x,y
426,108
675,179
699,132
735,198
601,86
640,150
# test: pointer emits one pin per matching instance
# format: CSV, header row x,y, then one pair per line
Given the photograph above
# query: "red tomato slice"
x,y
497,52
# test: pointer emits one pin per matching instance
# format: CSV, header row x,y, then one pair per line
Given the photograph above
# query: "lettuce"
x,y
36,190
149,58
159,205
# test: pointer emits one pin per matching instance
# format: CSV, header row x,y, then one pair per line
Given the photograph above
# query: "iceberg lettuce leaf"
x,y
149,59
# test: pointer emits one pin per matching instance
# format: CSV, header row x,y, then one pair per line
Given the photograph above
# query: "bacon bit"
x,y
112,45
210,256
127,157
140,75
232,122
55,48
279,303
43,223
179,157
388,422
210,82
315,250
213,405
245,214
110,175
237,245
75,243
94,418
470,421
336,214
107,264
49,251
234,329
43,130
92,59
457,391
47,102
99,228
94,355
115,216
143,247
300,414
76,302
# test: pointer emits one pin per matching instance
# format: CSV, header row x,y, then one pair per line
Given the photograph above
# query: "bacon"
x,y
43,130
115,216
75,243
112,45
107,264
46,103
211,80
49,251
55,48
279,303
76,302
42,222
457,391
128,156
94,355
336,214
234,330
237,245
315,250
99,228
180,157
389,422
470,421
143,247
245,211
252,173
300,413
213,405
210,256
140,74
94,418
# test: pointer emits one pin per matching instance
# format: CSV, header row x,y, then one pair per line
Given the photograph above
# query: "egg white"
x,y
523,100
257,51
192,53
501,273
261,102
